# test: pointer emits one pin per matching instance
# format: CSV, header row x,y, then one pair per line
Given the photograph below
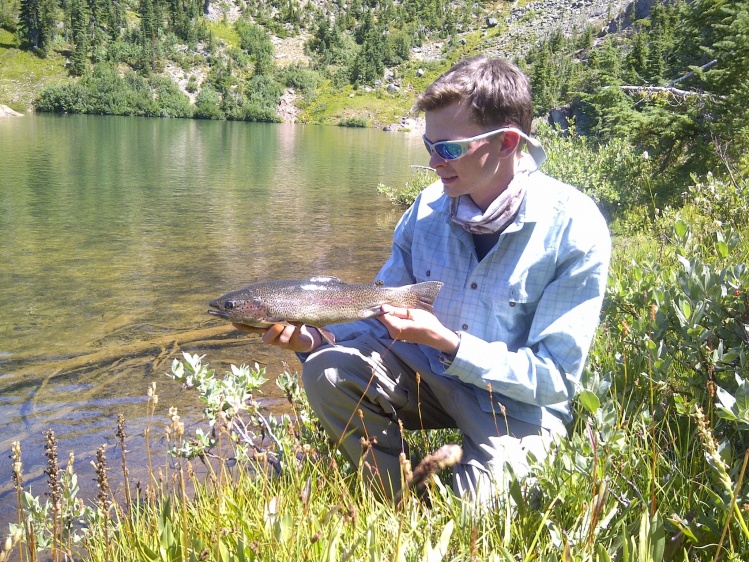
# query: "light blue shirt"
x,y
526,313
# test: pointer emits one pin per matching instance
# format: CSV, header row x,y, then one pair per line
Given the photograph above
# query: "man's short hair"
x,y
499,93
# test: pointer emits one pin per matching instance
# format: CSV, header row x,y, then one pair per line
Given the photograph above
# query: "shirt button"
x,y
474,285
464,327
429,272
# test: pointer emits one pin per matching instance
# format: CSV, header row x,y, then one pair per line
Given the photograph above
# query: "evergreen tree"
x,y
30,22
151,23
728,78
79,19
255,41
37,23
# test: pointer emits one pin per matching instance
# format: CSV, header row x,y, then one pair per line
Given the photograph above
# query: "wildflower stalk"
x,y
153,399
185,533
708,442
18,484
734,507
102,497
55,492
125,472
654,450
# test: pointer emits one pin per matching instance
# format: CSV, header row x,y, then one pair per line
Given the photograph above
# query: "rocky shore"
x,y
5,111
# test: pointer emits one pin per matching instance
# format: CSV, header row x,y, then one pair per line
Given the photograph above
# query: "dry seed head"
x,y
8,544
406,468
102,497
711,388
444,457
71,461
15,455
653,310
120,434
53,469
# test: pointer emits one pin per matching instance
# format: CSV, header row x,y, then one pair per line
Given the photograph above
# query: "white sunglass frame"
x,y
534,147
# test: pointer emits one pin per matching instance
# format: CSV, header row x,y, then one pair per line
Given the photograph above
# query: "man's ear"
x,y
510,142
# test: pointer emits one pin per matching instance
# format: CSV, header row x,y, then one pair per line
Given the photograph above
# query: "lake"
x,y
116,232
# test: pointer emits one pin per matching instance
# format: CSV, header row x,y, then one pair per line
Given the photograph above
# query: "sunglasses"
x,y
454,149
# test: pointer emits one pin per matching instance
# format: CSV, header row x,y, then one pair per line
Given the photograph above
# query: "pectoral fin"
x,y
327,335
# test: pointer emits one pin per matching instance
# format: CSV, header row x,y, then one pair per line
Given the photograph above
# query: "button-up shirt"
x,y
526,313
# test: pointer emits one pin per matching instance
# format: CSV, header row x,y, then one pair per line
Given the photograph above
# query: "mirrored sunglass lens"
x,y
449,150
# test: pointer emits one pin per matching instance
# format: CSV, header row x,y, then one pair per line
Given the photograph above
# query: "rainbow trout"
x,y
318,301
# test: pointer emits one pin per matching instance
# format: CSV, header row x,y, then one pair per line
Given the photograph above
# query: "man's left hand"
x,y
418,326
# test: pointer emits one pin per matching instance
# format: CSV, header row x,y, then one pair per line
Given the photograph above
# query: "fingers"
x,y
249,329
292,337
270,334
404,313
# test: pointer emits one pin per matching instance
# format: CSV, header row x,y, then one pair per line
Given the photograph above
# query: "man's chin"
x,y
451,188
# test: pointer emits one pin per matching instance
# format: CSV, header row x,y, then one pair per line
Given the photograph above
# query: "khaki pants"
x,y
378,377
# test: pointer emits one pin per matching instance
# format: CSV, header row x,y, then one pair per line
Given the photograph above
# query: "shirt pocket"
x,y
433,266
514,309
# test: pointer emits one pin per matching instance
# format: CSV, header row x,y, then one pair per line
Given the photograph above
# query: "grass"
x,y
23,74
225,32
376,107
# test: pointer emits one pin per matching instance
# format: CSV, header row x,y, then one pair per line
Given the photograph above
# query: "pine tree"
x,y
728,78
150,25
79,19
37,23
30,22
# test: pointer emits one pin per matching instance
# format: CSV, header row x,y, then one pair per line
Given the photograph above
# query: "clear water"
x,y
116,231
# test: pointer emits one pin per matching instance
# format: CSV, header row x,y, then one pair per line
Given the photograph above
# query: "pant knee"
x,y
323,371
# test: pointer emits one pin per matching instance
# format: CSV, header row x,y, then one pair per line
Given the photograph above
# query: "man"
x,y
524,260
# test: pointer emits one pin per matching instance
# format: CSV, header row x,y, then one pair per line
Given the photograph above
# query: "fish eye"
x,y
229,304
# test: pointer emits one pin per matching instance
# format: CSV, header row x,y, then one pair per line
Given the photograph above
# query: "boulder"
x,y
5,111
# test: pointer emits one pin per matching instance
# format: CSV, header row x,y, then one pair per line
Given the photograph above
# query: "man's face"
x,y
487,168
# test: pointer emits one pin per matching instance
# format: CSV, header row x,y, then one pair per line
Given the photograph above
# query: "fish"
x,y
318,301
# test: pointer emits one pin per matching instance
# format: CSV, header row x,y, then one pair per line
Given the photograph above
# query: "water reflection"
x,y
117,231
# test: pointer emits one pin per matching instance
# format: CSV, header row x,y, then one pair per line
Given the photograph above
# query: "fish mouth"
x,y
220,313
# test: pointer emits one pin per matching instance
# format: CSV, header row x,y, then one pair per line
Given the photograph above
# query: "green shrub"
x,y
105,92
300,78
615,174
264,92
356,122
208,104
406,195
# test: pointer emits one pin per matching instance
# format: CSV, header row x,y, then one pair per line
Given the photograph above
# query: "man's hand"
x,y
300,339
419,326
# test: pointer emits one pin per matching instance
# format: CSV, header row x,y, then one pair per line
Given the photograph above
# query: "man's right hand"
x,y
299,339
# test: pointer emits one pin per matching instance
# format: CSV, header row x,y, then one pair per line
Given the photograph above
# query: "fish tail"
x,y
425,294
